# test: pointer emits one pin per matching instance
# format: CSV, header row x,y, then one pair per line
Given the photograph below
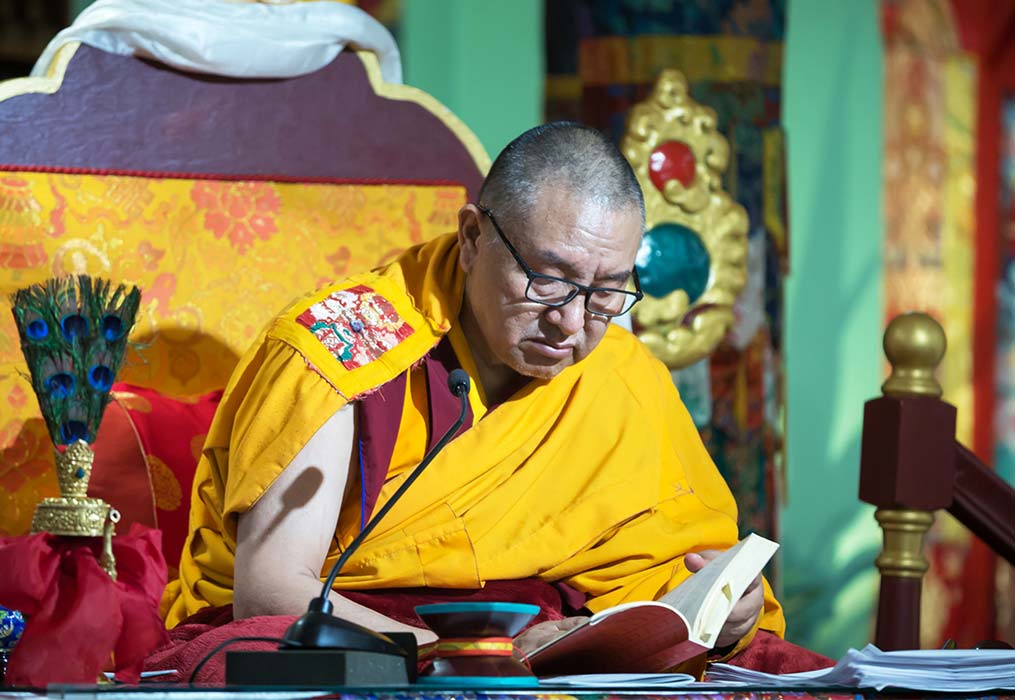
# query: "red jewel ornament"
x,y
673,160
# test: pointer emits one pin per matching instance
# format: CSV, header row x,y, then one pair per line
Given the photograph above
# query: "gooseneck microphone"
x,y
318,628
458,383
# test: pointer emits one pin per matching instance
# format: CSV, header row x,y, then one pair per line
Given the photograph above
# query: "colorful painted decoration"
x,y
12,626
356,325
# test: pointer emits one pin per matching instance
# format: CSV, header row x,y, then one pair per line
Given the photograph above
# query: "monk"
x,y
580,467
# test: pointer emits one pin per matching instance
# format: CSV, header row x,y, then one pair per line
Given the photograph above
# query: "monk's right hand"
x,y
746,610
538,635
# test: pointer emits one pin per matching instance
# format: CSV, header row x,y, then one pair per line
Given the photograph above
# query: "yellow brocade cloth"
x,y
597,478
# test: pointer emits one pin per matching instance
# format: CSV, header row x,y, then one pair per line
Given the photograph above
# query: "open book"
x,y
654,636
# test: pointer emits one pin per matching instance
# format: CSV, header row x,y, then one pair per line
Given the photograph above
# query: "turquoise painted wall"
x,y
77,5
484,60
833,79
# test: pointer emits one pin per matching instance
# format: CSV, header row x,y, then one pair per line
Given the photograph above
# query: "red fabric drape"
x,y
78,620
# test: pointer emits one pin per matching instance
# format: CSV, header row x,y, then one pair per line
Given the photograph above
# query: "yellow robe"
x,y
597,478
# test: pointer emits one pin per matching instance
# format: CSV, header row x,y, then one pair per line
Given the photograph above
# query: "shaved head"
x,y
561,155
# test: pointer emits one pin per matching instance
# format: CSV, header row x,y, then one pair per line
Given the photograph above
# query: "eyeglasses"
x,y
557,291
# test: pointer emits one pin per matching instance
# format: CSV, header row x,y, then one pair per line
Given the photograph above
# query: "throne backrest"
x,y
221,199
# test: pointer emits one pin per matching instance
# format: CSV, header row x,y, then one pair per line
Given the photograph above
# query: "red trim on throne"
x,y
257,177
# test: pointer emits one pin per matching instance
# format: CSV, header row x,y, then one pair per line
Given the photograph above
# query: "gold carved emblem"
x,y
74,514
679,156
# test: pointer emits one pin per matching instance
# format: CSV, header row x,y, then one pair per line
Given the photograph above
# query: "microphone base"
x,y
316,629
318,667
321,649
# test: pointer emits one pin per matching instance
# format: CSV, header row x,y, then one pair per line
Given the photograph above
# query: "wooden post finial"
x,y
914,344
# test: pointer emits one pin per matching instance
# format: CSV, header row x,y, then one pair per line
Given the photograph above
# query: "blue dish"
x,y
480,619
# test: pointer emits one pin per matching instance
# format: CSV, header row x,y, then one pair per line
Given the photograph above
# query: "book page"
x,y
708,596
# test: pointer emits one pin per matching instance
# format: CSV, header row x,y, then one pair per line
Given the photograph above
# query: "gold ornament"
x,y
902,552
915,345
675,330
74,514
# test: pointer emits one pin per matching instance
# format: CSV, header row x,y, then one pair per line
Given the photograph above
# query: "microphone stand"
x,y
318,629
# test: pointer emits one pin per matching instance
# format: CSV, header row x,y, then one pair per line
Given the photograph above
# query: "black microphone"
x,y
318,628
458,383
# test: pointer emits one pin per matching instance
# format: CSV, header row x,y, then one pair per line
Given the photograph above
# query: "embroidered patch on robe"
x,y
356,325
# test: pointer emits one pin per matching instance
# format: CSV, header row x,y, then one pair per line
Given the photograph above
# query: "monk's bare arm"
x,y
283,540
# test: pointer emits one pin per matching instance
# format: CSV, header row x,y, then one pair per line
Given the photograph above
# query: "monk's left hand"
x,y
744,613
538,635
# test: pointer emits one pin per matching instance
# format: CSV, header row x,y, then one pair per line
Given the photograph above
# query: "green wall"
x,y
484,60
77,5
833,78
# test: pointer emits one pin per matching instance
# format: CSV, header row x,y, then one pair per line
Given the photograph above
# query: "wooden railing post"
x,y
907,468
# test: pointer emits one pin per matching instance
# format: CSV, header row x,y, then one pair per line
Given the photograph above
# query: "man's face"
x,y
563,236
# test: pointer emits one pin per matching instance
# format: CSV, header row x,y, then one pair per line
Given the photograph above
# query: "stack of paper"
x,y
924,669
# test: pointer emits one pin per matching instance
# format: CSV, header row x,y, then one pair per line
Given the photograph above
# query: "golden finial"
x,y
914,344
74,468
74,514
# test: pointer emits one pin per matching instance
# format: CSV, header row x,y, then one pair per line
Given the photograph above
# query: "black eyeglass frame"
x,y
576,287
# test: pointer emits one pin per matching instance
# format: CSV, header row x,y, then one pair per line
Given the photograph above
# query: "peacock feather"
x,y
73,336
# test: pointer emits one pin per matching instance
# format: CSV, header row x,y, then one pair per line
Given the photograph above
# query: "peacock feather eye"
x,y
112,327
37,329
74,332
73,430
60,385
100,377
74,326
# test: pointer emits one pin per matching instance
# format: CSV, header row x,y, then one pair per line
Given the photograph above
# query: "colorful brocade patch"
x,y
356,325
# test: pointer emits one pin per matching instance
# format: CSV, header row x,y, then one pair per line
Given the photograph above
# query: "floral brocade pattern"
x,y
215,261
242,212
166,489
